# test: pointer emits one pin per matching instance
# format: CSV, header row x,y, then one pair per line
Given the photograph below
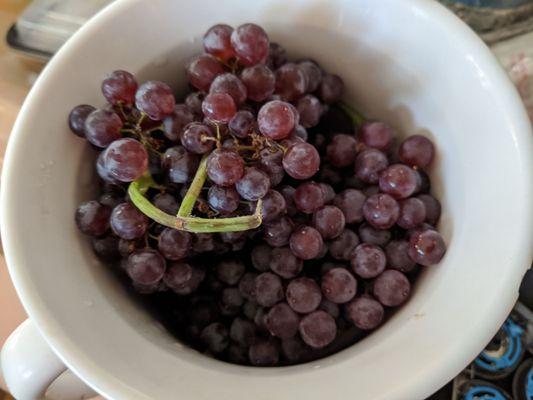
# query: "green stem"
x,y
194,190
356,117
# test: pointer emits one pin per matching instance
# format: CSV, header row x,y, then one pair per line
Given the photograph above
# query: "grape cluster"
x,y
347,215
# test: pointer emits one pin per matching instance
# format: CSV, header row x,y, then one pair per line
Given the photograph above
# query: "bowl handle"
x,y
29,368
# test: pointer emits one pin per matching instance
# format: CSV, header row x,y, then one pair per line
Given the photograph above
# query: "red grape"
x,y
92,218
314,74
155,99
119,87
264,353
301,161
128,222
77,117
331,88
381,211
308,197
196,138
365,312
416,150
261,255
371,235
126,159
268,289
174,124
342,247
291,82
277,232
412,213
432,206
276,120
202,70
225,167
250,43
259,81
174,244
230,271
368,165
341,151
391,288
306,242
277,56
282,322
399,181
351,201
180,164
219,107
368,260
242,124
223,199
339,285
397,252
377,135
145,266
229,84
426,247
329,221
253,185
102,127
217,42
318,329
274,206
303,295
310,110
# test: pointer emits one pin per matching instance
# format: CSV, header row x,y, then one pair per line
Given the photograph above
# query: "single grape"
x,y
314,74
371,190
106,248
295,113
231,298
365,312
183,279
111,199
203,242
261,255
242,124
381,211
284,263
233,237
301,161
274,206
250,43
119,87
288,194
102,127
268,289
368,260
306,242
197,138
253,185
310,110
250,308
219,107
371,235
416,151
432,206
318,329
217,42
174,124
264,353
377,135
412,213
92,218
259,81
282,322
341,152
146,266
309,197
329,192
247,286
174,244
425,183
242,332
277,233
342,247
329,221
293,349
77,117
194,102
328,266
331,88
229,84
223,199
128,222
397,252
230,271
368,165
155,99
225,167
125,159
291,81
351,201
276,119
391,288
215,337
426,247
166,202
277,55
180,164
339,285
303,295
399,181
202,70
299,132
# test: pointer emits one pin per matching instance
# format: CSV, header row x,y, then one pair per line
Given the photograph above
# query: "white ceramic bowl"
x,y
410,63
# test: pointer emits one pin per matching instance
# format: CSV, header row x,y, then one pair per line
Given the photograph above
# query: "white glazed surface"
x,y
410,63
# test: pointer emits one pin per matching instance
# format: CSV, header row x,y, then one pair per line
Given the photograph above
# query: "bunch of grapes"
x,y
347,218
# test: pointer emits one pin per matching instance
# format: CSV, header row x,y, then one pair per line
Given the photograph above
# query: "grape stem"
x,y
194,190
357,118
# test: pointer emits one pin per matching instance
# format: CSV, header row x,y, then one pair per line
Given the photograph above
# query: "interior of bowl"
x,y
409,63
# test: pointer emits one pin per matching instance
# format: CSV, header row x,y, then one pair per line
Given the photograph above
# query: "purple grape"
x,y
381,211
313,73
250,308
351,201
146,266
180,164
261,255
196,138
341,152
327,266
217,42
282,322
377,135
342,247
230,271
253,185
369,164
233,237
318,329
291,82
119,87
155,99
369,234
329,221
242,332
339,285
303,295
329,192
128,222
92,218
391,288
426,247
125,159
276,119
288,194
231,298
284,263
219,107
250,43
308,197
194,101
416,151
277,56
242,124
215,337
202,70
268,289
77,118
223,199
247,286
330,307
399,181
229,84
293,349
365,312
397,252
432,206
174,124
106,248
301,161
310,110
102,127
412,213
259,81
166,202
174,244
111,199
299,132
225,167
264,353
368,260
331,88
277,233
183,279
203,242
306,242
273,206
